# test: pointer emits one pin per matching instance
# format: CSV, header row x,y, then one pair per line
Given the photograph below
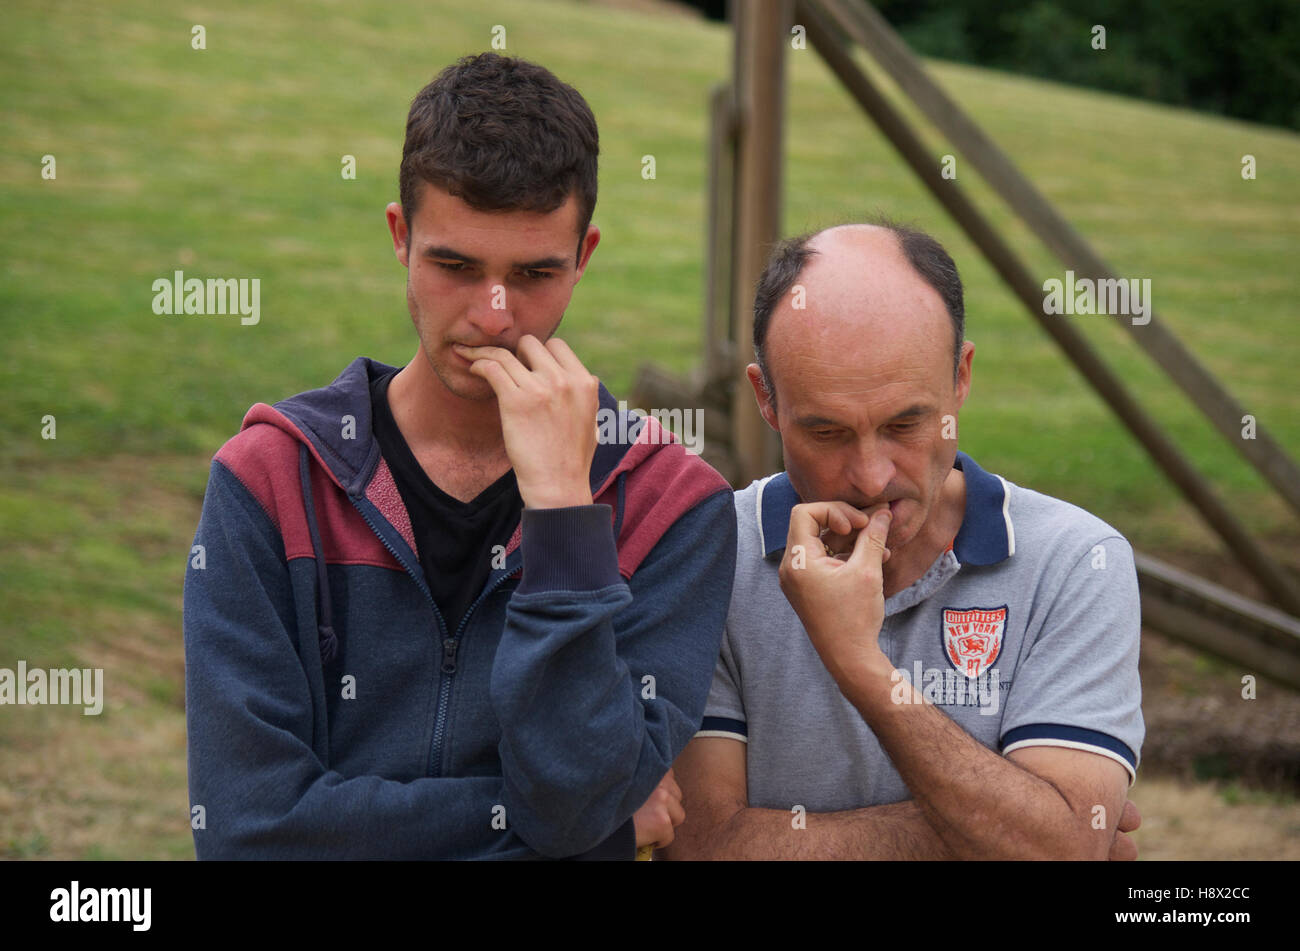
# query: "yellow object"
x,y
645,853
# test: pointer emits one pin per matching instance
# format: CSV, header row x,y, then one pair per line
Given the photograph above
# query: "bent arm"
x,y
586,737
720,823
1036,803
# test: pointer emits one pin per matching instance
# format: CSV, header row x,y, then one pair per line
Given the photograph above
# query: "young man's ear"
x,y
397,228
766,399
589,242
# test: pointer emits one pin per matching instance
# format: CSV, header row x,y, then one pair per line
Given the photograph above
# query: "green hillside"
x,y
226,162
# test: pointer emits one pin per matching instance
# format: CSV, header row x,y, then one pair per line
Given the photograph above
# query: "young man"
x,y
921,659
437,619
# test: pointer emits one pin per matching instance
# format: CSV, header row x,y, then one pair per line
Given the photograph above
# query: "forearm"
x,y
982,805
265,794
560,691
358,818
896,831
574,679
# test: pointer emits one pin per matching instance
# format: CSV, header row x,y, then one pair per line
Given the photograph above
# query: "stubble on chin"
x,y
460,382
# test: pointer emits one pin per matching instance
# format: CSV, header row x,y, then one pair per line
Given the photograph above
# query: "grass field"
x,y
226,162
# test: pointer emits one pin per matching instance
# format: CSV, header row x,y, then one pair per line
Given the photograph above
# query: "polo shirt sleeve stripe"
x,y
724,727
1071,737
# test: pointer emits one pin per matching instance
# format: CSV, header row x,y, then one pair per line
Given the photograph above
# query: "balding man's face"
x,y
866,402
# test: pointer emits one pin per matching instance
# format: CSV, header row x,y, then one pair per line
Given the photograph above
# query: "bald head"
x,y
859,285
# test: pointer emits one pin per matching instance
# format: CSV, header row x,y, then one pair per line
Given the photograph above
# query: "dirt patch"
x,y
1200,723
1201,727
1214,822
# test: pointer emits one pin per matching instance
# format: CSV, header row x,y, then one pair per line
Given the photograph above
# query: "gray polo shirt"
x,y
1025,632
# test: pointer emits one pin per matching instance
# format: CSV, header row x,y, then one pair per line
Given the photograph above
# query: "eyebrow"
x,y
916,409
541,264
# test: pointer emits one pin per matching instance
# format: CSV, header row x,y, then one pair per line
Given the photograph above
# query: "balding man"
x,y
921,659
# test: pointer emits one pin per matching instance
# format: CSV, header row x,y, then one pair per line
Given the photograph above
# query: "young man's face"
x,y
484,278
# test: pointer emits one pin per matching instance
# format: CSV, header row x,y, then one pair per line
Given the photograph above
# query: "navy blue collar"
x,y
986,536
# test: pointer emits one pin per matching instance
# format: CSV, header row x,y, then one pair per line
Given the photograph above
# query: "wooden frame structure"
x,y
744,222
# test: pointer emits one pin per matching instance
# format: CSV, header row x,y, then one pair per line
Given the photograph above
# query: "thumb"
x,y
870,542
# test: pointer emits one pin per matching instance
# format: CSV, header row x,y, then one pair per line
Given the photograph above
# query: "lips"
x,y
453,344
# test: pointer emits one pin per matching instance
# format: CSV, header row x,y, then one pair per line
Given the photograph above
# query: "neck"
x,y
914,559
432,416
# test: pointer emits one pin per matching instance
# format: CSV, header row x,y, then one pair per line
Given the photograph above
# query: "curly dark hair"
x,y
501,134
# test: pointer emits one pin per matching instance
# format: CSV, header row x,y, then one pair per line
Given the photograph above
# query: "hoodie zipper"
x,y
449,644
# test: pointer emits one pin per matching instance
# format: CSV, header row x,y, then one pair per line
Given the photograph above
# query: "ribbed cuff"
x,y
568,549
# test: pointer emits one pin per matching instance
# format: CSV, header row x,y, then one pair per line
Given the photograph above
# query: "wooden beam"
x,y
1264,641
1280,585
864,24
762,30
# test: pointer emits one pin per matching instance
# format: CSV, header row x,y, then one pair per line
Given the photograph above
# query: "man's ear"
x,y
766,400
964,372
589,242
397,228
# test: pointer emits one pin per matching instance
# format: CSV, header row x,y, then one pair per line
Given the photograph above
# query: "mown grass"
x,y
226,162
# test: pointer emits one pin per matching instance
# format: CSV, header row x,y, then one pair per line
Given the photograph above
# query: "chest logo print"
x,y
972,637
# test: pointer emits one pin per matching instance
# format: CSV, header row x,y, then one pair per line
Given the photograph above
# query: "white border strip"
x,y
1074,745
725,734
1006,516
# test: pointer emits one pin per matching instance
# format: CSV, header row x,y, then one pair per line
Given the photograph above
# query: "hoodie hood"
x,y
646,472
320,418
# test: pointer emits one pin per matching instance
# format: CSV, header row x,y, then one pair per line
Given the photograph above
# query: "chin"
x,y
463,384
906,526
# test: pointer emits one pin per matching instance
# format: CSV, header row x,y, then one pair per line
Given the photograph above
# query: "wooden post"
x,y
1280,585
719,348
762,29
864,24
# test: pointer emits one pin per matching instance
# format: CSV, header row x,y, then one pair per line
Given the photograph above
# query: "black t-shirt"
x,y
454,538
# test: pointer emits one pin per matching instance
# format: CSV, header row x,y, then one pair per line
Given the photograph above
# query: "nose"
x,y
872,469
490,310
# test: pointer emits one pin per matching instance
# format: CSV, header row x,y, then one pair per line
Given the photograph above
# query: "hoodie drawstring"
x,y
329,642
618,514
